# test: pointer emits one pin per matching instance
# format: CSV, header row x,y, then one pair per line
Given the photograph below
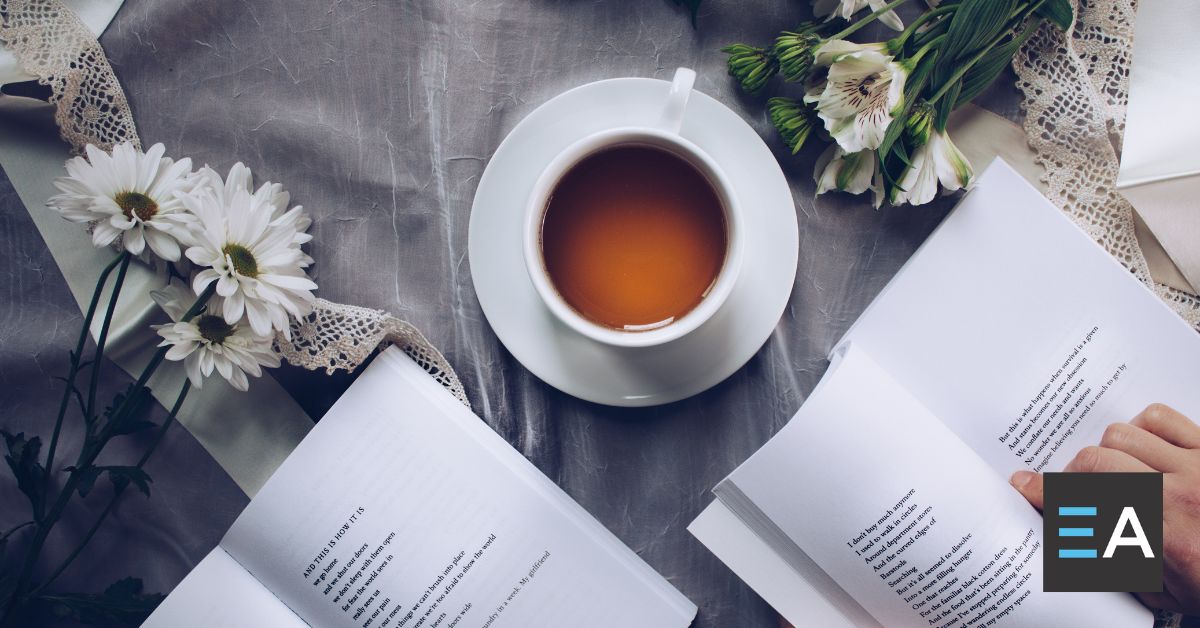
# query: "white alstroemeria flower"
x,y
846,9
240,177
848,172
834,49
854,173
252,256
939,160
207,342
127,194
862,92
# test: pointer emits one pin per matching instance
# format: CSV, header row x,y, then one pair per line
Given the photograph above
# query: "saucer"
x,y
621,376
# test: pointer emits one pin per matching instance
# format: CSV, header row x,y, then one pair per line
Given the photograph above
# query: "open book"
x,y
1009,341
402,509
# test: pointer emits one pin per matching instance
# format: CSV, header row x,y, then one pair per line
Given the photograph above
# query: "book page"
x,y
220,592
791,594
1022,335
403,510
904,516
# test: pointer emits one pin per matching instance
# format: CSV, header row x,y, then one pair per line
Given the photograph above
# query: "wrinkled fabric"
x,y
379,117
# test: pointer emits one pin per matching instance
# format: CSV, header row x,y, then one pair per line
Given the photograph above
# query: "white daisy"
x,y
846,9
240,177
207,342
848,172
862,92
939,160
128,194
175,299
252,255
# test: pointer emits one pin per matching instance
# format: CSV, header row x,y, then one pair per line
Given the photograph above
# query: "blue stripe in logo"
x,y
1076,553
1075,531
1077,511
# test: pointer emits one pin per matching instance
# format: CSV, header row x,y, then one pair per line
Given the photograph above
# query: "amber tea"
x,y
633,237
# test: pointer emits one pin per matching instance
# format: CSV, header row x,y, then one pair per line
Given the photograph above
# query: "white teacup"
x,y
665,135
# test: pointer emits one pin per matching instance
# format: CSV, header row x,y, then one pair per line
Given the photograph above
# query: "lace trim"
x,y
1076,88
341,337
50,42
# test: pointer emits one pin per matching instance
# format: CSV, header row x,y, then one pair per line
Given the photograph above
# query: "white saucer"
x,y
597,372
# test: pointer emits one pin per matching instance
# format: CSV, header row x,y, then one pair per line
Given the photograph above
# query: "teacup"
x,y
671,285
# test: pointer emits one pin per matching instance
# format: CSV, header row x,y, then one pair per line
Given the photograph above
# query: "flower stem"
x,y
162,351
118,490
868,19
13,529
912,28
930,45
74,370
201,301
87,456
103,337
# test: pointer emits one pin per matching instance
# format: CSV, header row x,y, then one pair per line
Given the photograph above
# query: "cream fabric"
x,y
1160,166
1076,89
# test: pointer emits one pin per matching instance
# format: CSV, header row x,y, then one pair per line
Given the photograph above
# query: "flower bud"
x,y
751,66
791,119
794,49
920,123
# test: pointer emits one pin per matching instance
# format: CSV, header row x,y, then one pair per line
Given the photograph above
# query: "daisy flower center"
x,y
136,204
242,260
214,328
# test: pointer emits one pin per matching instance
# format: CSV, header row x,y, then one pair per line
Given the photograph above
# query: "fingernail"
x,y
1021,479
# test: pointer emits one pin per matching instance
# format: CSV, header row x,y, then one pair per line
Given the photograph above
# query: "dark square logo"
x,y
1103,532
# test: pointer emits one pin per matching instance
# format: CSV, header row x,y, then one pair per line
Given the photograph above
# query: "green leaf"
x,y
123,476
946,105
975,24
128,420
989,68
23,459
1059,12
893,165
87,478
122,603
983,74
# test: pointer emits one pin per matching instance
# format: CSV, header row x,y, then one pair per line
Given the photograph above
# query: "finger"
x,y
1150,449
1029,484
1103,460
1169,425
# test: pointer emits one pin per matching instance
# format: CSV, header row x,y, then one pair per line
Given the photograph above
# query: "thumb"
x,y
1030,485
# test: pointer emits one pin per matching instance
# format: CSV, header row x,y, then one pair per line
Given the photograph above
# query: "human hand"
x,y
1158,439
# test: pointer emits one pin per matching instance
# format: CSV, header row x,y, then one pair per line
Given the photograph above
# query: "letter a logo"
x,y
1128,518
1103,532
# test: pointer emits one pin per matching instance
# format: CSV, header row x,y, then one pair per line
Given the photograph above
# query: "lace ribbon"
x,y
50,42
1076,88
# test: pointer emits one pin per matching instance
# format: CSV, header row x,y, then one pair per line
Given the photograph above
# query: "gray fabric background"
x,y
379,117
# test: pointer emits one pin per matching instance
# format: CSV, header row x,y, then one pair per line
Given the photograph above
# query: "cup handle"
x,y
677,99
